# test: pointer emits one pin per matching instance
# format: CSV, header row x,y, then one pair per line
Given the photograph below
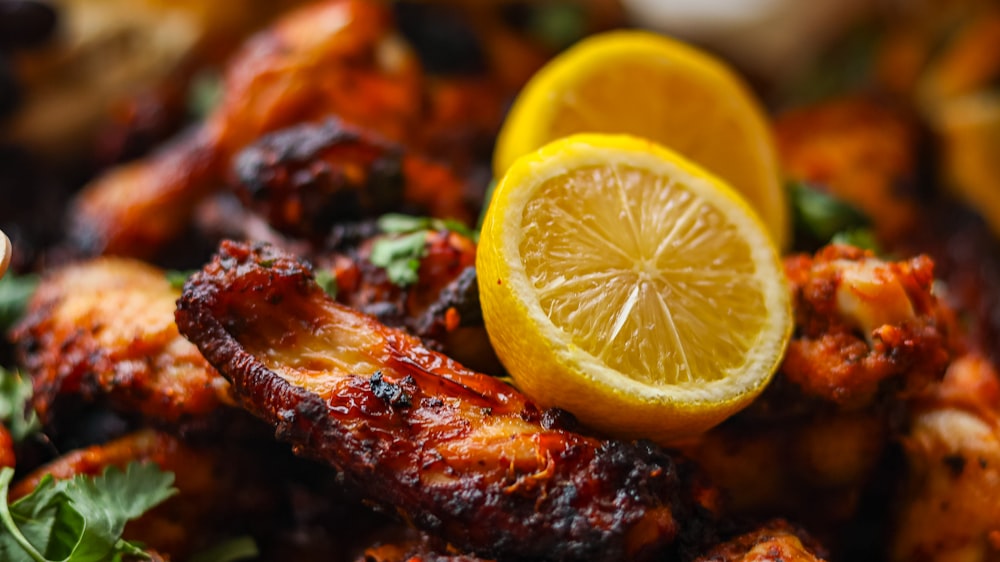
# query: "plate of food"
x,y
393,281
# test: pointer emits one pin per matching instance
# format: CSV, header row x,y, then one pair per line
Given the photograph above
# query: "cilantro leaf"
x,y
240,548
400,256
15,412
15,291
178,278
394,223
558,25
862,238
79,520
821,214
328,281
30,520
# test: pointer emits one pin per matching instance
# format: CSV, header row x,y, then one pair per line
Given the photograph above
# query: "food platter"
x,y
453,280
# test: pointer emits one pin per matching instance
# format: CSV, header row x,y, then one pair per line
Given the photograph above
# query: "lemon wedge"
x,y
627,285
646,85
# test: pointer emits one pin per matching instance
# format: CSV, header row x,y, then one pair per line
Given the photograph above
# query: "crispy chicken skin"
x,y
420,434
105,329
337,57
136,208
950,505
861,322
776,541
869,336
307,178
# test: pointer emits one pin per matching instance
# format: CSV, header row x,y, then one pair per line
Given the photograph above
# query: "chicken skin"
x,y
104,331
950,504
421,435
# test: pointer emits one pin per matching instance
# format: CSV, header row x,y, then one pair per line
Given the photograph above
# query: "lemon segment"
x,y
647,85
630,287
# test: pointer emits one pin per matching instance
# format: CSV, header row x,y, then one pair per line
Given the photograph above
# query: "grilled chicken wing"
x,y
420,434
870,335
104,329
862,322
950,505
306,178
338,57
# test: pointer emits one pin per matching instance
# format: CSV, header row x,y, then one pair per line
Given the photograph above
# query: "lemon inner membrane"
x,y
638,271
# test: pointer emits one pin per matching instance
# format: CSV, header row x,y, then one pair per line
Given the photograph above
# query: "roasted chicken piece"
x,y
420,435
861,323
949,508
106,52
860,152
305,179
776,541
104,330
339,58
869,335
441,306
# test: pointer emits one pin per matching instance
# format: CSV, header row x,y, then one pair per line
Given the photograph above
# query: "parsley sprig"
x,y
81,519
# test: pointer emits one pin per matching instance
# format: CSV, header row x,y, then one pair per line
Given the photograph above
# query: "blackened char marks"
x,y
309,177
469,459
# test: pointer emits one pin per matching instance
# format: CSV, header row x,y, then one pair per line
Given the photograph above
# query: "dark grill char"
x,y
468,458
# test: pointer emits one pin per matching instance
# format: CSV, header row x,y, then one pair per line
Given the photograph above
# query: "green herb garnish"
x,y
240,548
394,223
822,215
178,278
558,25
401,253
15,412
81,519
15,292
327,281
862,238
400,256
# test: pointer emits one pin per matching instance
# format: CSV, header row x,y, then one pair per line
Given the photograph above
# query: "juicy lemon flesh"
x,y
630,287
643,274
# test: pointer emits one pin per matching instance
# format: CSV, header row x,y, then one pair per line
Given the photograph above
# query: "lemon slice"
x,y
630,287
643,84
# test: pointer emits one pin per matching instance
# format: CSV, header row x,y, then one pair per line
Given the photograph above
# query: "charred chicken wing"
x,y
419,434
104,330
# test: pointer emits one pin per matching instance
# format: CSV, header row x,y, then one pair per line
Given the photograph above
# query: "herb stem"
x,y
6,475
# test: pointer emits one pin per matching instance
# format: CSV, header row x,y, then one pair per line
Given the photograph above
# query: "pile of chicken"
x,y
879,437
